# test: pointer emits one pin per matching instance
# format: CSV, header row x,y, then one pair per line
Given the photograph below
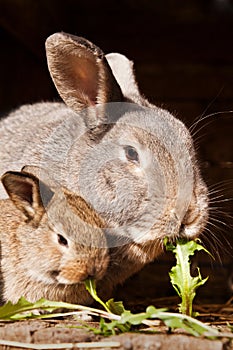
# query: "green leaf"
x,y
116,307
107,328
133,319
174,320
91,287
181,279
24,309
10,310
110,328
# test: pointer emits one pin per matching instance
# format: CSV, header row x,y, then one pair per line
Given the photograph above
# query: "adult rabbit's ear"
x,y
81,72
123,71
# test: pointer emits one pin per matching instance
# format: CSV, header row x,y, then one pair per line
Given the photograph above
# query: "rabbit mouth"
x,y
194,229
194,222
54,274
190,227
195,226
61,277
62,280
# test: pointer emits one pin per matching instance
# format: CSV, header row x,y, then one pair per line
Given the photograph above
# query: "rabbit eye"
x,y
131,153
62,240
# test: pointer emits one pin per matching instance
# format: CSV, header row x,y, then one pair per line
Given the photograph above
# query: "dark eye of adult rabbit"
x,y
131,153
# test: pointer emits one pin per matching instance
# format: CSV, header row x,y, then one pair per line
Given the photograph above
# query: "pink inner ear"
x,y
85,77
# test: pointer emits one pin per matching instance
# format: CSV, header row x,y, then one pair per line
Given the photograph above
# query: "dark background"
x,y
183,54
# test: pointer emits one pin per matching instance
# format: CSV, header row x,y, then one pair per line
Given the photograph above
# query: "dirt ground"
x,y
64,335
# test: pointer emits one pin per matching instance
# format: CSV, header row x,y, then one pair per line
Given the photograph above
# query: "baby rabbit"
x,y
48,252
133,162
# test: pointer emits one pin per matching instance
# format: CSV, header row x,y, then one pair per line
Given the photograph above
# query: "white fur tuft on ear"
x,y
123,72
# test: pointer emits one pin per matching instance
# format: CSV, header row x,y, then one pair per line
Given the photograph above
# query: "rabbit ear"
x,y
44,176
24,191
80,72
123,71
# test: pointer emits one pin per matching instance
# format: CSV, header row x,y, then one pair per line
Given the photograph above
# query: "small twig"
x,y
222,323
211,314
229,301
60,346
151,323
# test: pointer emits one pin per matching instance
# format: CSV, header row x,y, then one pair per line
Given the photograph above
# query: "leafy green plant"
x,y
127,320
172,320
180,276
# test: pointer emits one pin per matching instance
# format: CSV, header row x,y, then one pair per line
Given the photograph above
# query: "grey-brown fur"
x,y
141,201
35,262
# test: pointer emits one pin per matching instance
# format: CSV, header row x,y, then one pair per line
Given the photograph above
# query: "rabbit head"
x,y
54,246
132,161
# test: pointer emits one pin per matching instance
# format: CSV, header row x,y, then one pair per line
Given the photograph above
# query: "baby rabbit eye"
x,y
131,154
62,240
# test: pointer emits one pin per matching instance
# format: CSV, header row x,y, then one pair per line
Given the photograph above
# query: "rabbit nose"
x,y
54,273
93,273
89,274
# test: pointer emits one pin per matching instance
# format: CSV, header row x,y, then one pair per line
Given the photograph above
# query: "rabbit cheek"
x,y
115,181
118,186
43,263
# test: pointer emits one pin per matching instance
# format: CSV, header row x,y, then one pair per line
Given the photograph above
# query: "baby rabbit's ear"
x,y
80,72
24,191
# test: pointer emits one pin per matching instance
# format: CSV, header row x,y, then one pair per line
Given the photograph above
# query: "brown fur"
x,y
33,262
